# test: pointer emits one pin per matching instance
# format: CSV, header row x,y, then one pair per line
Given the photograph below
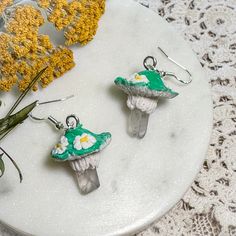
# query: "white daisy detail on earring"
x,y
61,146
137,78
84,141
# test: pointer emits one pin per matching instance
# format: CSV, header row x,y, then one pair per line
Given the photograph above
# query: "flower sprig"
x,y
78,18
23,51
4,4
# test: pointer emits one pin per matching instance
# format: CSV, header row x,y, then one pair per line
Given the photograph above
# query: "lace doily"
x,y
209,206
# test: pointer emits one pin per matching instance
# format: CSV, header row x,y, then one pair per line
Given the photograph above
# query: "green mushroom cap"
x,y
78,143
145,83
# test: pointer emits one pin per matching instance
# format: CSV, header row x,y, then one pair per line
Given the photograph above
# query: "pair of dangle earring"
x,y
80,147
144,89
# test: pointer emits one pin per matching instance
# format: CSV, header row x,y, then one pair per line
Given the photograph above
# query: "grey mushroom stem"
x,y
87,177
141,108
138,123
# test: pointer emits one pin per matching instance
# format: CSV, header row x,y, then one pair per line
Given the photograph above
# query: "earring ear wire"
x,y
179,65
57,124
56,100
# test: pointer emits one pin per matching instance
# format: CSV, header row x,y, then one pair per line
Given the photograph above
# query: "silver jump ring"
x,y
71,124
150,63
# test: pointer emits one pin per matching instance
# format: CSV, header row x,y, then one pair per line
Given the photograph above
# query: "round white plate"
x,y
140,179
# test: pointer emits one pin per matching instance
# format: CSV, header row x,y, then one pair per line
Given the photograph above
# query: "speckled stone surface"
x,y
140,179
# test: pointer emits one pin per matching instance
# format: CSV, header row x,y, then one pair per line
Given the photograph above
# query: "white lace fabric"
x,y
209,206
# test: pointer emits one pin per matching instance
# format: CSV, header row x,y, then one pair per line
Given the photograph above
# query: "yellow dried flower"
x,y
44,43
4,4
8,65
23,51
59,62
44,3
26,19
78,18
84,27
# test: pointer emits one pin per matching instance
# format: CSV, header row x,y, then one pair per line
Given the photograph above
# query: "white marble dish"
x,y
140,179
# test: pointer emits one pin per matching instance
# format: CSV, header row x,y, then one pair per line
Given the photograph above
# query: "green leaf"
x,y
2,166
11,121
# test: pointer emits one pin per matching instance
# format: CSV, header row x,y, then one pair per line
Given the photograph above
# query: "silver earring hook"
x,y
179,65
56,100
58,124
72,121
150,63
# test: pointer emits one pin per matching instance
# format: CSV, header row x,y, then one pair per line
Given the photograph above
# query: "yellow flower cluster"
x,y
78,18
84,26
24,52
43,3
59,62
8,64
4,4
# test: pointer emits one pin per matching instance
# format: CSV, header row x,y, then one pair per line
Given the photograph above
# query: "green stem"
x,y
4,135
14,163
37,77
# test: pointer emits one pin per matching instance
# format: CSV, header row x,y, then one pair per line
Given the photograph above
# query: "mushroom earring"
x,y
80,147
144,89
